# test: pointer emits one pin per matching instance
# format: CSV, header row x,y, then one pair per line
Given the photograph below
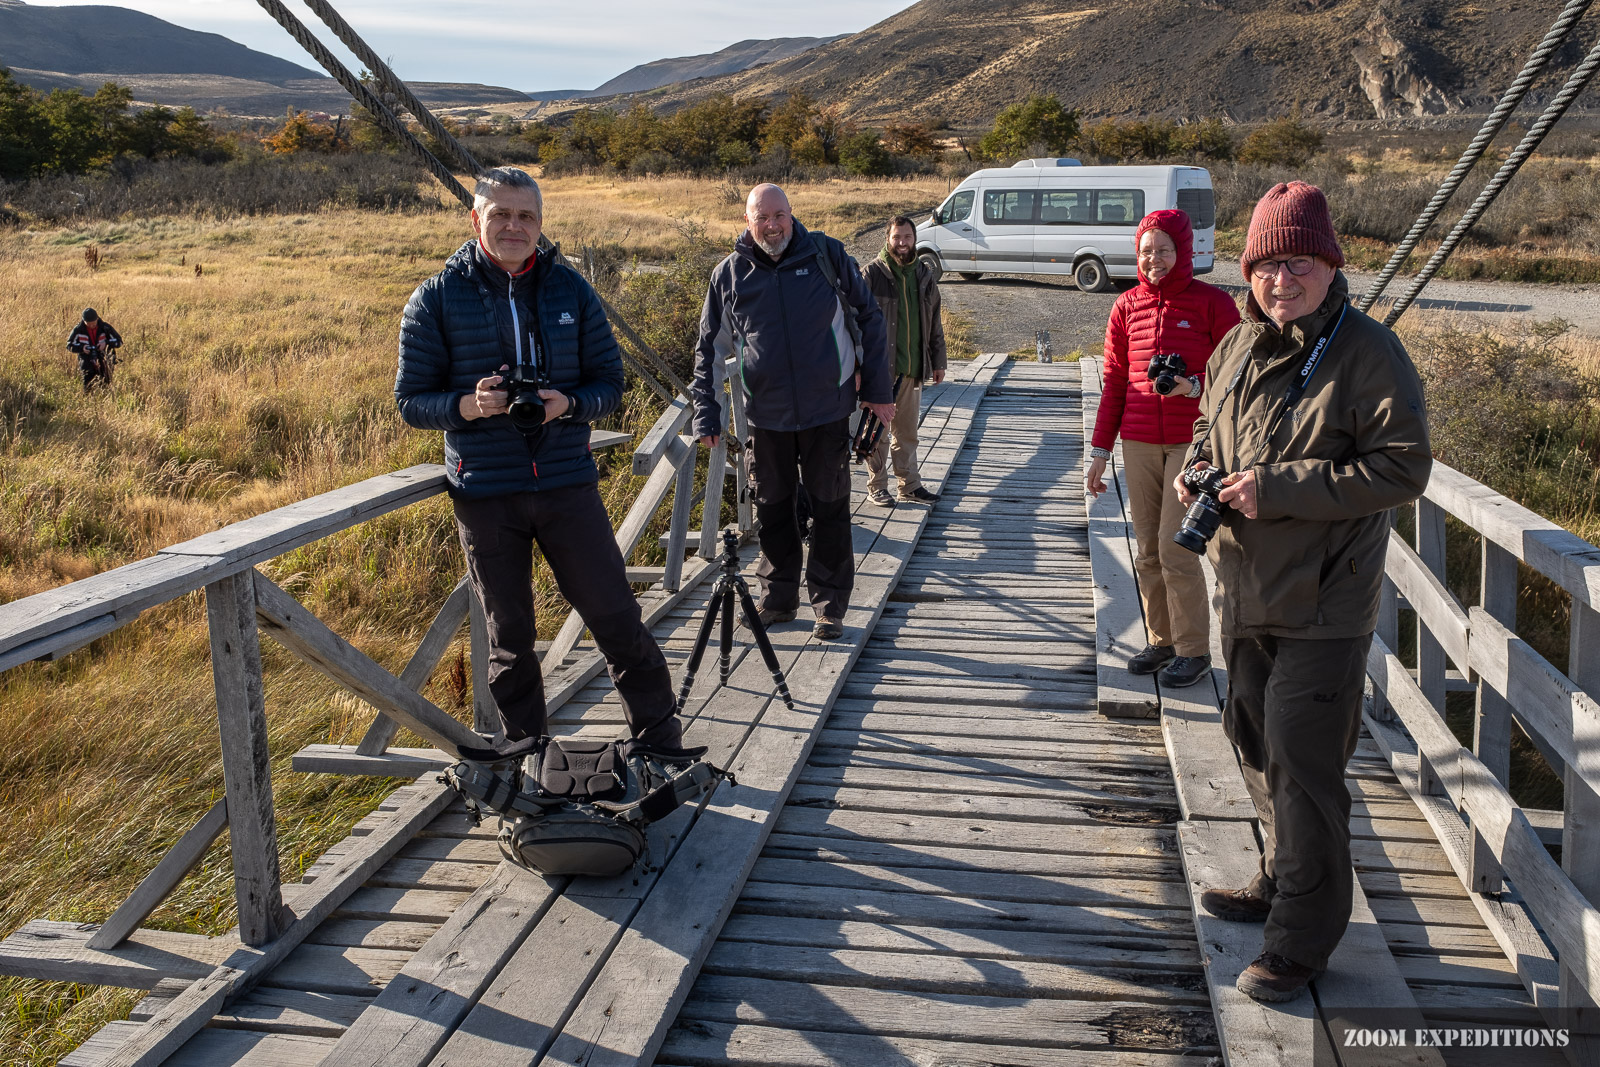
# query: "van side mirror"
x,y
938,215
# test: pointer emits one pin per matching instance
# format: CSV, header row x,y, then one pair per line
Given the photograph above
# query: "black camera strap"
x,y
1296,390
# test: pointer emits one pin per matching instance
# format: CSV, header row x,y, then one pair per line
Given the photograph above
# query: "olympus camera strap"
x,y
1297,388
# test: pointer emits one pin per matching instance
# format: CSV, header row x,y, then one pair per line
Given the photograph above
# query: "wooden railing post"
x,y
711,514
246,761
741,430
1430,654
485,712
1491,729
1580,826
682,508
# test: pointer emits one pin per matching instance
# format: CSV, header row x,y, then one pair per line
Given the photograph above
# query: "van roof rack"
x,y
1048,161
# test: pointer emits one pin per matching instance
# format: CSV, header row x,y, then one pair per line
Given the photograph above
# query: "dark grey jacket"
x,y
785,325
459,326
880,279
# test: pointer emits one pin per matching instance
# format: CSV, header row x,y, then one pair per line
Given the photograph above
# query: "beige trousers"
x,y
903,449
1171,585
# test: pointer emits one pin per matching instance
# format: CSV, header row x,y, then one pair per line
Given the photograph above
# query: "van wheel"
x,y
971,275
932,261
1091,276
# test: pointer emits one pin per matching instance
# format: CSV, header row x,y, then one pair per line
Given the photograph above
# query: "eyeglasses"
x,y
1299,266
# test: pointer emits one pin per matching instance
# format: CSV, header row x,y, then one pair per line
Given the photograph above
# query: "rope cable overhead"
x,y
1492,126
647,369
1579,80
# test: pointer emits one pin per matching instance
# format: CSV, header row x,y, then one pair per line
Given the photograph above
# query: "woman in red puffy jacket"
x,y
1168,312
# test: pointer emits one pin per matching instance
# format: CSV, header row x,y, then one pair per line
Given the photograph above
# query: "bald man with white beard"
x,y
778,306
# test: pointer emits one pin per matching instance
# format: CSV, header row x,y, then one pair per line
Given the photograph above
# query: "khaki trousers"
x,y
1172,587
903,450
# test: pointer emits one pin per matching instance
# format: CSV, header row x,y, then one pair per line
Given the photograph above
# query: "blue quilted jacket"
x,y
469,319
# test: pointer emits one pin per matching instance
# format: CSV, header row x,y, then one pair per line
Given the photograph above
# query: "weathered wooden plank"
x,y
244,544
155,887
1223,855
60,952
337,969
309,638
412,1017
944,974
909,829
912,858
246,757
678,524
291,1011
403,905
977,804
736,1045
950,1017
1001,781
1205,765
377,933
1010,886
393,762
658,439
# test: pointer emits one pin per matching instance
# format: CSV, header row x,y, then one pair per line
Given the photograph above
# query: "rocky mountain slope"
x,y
730,60
964,60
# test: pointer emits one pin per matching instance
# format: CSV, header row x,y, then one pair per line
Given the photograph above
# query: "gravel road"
x,y
1006,309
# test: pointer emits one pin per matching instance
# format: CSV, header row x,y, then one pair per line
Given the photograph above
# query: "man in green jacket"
x,y
907,290
1299,559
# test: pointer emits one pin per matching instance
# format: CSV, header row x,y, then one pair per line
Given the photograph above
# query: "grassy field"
x,y
261,378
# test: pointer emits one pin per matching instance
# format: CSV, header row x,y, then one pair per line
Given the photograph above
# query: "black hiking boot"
x,y
1150,660
1184,671
1235,905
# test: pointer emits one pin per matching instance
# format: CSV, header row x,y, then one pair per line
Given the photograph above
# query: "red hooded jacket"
x,y
1178,314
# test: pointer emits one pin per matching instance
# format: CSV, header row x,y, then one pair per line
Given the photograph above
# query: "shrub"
x,y
1038,121
863,153
1286,142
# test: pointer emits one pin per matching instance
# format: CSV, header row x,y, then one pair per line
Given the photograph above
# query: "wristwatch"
x,y
572,407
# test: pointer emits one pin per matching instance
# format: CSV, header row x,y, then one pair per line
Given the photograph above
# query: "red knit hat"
x,y
1291,220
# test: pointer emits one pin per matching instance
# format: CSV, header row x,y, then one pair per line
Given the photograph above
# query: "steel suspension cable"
x,y
364,96
1577,81
1537,61
388,82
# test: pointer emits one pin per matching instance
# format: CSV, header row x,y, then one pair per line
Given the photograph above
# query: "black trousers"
x,y
572,529
1294,712
780,460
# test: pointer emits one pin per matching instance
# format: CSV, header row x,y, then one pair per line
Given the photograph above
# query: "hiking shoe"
x,y
881,498
1235,905
1274,978
919,495
769,617
1184,670
1150,660
828,629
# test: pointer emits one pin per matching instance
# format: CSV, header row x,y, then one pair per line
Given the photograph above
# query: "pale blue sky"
x,y
526,45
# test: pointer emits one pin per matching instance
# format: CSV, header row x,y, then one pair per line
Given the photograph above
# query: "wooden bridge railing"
x,y
1489,838
242,602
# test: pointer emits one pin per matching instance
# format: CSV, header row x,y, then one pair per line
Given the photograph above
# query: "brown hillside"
x,y
964,60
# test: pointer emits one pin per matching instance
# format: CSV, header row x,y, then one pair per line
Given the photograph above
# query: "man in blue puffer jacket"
x,y
779,306
498,303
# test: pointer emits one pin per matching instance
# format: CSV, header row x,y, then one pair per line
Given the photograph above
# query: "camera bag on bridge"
x,y
581,807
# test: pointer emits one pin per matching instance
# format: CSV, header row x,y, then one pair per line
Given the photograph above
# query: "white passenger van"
x,y
1053,216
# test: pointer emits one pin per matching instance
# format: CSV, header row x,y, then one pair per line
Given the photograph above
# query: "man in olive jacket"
x,y
907,290
1299,559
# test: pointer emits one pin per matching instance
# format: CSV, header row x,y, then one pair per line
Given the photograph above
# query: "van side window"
x,y
1066,205
959,207
1009,207
1087,207
1201,207
1120,207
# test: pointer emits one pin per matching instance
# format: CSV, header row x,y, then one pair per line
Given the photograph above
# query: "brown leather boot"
x,y
1235,905
1274,978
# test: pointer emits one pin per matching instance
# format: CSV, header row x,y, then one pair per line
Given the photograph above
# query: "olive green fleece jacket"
x,y
881,280
1310,565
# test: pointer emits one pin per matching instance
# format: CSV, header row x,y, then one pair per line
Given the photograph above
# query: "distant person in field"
x,y
500,303
907,291
93,341
1316,414
1170,312
777,306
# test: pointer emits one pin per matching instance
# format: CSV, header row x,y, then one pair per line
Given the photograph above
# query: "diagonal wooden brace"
x,y
309,638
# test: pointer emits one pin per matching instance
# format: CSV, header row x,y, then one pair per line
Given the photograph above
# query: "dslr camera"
x,y
1200,522
1165,369
522,384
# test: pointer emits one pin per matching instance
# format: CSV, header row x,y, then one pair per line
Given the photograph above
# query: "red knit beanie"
x,y
1291,220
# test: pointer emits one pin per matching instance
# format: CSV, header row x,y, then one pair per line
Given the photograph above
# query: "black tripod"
x,y
729,582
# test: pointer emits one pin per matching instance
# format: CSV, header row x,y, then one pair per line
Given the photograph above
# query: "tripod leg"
x,y
702,639
725,659
762,643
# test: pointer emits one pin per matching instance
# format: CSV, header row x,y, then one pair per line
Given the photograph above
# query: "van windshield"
x,y
958,207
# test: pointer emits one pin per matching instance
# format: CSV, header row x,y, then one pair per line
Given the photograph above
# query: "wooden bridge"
x,y
975,840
